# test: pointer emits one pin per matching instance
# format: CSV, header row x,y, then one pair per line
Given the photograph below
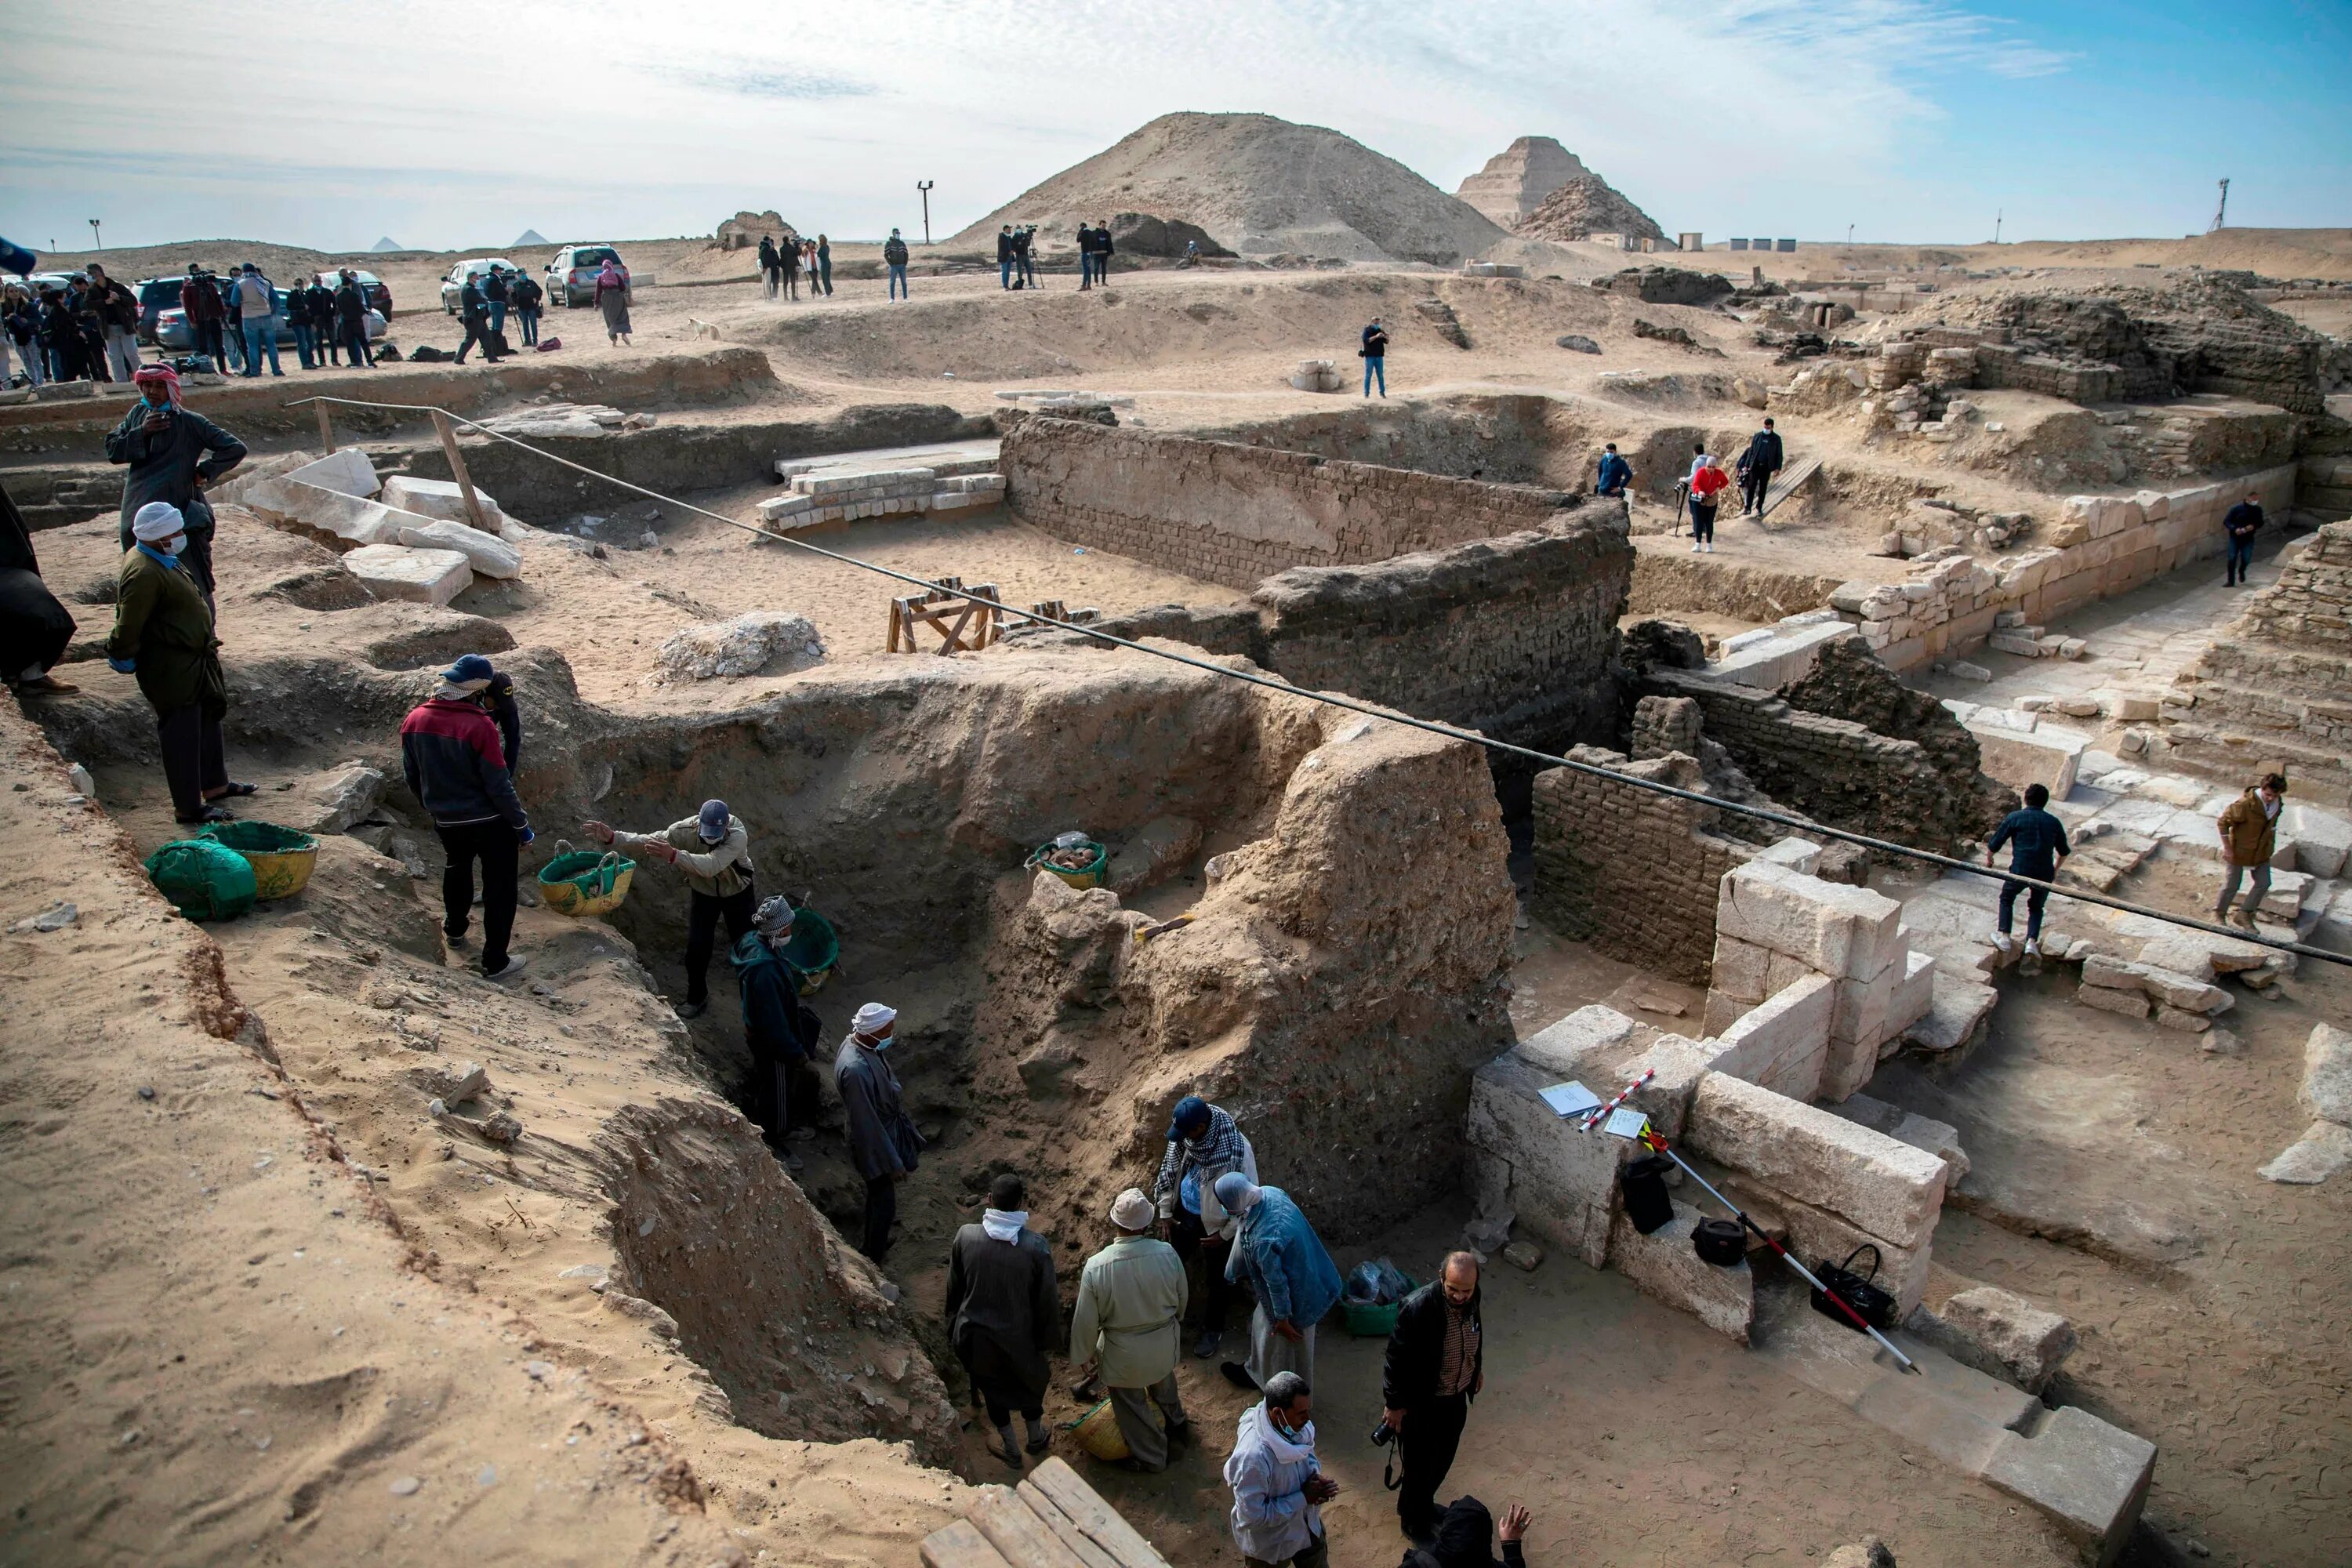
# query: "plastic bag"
x,y
1378,1281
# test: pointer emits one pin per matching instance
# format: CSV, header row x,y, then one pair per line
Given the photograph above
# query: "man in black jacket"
x,y
1762,459
325,341
473,311
1004,257
351,321
1434,1368
2243,521
782,1085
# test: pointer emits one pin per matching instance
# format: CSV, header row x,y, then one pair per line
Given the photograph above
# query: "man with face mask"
x,y
173,454
1435,1367
456,765
1278,1484
163,634
714,849
784,1089
882,1142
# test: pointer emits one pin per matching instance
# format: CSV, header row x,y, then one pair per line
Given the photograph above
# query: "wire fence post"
x,y
326,426
442,427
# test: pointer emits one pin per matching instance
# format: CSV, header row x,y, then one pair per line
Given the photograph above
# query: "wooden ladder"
x,y
1788,482
1052,1519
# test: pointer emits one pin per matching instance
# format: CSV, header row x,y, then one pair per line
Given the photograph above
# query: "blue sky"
x,y
450,124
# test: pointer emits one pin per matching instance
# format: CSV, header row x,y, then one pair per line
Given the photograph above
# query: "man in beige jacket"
x,y
1130,1299
714,849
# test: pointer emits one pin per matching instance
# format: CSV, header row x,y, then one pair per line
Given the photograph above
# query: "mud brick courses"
x,y
1236,515
2278,687
1635,873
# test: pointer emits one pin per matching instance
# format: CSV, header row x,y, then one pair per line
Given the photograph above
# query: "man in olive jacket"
x,y
1435,1366
2249,828
163,634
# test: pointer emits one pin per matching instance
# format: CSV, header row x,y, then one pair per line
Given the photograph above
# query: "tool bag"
x,y
1860,1292
1647,1203
1721,1242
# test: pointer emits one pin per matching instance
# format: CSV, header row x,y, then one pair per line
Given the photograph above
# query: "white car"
x,y
571,278
455,284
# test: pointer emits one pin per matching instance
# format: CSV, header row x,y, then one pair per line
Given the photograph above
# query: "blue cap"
x,y
1192,1115
713,827
472,667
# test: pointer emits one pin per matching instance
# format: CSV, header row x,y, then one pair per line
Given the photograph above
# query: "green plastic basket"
x,y
1373,1320
204,880
814,950
582,882
1092,875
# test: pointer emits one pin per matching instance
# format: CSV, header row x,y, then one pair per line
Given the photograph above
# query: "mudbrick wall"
x,y
1234,514
1635,873
1892,769
2277,689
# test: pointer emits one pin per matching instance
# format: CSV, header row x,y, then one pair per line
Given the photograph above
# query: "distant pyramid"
x,y
1516,180
528,237
387,243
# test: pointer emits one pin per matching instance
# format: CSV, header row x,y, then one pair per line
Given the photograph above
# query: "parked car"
x,y
173,336
379,298
455,284
572,276
156,295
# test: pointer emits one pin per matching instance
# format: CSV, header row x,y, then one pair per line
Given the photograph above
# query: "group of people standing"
x,y
1701,490
782,266
86,330
484,300
1209,1214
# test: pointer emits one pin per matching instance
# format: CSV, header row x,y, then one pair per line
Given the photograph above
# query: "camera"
x,y
1383,1435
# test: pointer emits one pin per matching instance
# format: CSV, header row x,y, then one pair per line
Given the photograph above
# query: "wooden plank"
x,y
326,426
1789,483
448,433
960,1546
1087,1510
1026,1540
1063,1525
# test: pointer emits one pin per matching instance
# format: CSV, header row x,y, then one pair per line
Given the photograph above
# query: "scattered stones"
x,y
406,1486
538,1371
2327,1074
1961,669
344,799
2325,1148
2223,1043
2029,1343
1578,343
761,642
57,917
1868,1552
1523,1255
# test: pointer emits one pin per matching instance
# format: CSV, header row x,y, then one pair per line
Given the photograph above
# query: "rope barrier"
x,y
1335,700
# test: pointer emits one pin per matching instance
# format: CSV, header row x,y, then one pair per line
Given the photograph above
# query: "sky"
x,y
449,125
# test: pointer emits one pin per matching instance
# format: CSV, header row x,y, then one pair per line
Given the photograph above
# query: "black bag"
x,y
1647,1203
1860,1292
1721,1242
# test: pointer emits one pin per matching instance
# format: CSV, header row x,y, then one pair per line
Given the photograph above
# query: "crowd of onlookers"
x,y
89,327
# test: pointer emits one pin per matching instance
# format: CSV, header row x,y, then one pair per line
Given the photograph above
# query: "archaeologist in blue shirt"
x,y
1293,1277
1616,473
2037,846
1278,1484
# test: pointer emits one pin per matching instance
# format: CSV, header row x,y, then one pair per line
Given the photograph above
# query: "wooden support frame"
x,y
326,426
448,433
967,619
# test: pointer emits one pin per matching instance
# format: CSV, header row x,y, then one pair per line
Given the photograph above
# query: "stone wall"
x,y
1635,873
1234,514
2101,546
2277,687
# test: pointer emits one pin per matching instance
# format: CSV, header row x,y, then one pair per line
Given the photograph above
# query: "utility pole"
x,y
925,186
94,244
2222,209
1849,234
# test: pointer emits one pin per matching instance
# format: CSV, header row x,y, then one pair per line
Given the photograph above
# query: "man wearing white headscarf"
x,y
163,634
882,1142
1289,1272
1003,1312
1131,1297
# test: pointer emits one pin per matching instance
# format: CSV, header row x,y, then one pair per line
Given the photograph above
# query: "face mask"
x,y
172,546
884,1043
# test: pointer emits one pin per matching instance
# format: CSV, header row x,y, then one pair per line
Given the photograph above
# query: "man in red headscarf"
x,y
173,454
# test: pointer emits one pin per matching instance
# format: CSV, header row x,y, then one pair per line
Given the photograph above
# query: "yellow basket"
x,y
282,857
1097,1433
582,882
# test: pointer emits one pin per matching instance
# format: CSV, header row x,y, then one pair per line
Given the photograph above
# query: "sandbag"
x,y
204,880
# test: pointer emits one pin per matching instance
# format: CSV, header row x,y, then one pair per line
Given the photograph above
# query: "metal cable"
x,y
1335,700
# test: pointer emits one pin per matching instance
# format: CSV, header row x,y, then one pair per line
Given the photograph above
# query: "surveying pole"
x,y
925,186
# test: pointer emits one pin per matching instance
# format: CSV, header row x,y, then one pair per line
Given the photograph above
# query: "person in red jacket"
x,y
1707,483
456,765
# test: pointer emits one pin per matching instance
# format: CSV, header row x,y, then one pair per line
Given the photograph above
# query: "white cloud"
x,y
449,122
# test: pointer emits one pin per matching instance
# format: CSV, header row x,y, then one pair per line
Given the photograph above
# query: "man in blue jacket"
x,y
2037,847
1616,473
456,765
1293,1277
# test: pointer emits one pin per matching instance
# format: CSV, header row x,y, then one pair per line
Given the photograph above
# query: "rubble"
x,y
760,642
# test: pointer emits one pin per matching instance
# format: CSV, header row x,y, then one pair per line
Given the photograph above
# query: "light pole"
x,y
925,186
1849,234
93,236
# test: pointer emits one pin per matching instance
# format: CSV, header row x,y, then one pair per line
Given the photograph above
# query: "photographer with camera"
x,y
1434,1368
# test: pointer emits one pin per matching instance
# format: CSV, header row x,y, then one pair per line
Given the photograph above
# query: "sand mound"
x,y
1586,205
1261,186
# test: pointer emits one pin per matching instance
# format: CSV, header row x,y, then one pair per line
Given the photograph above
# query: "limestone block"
x,y
1916,992
1887,1188
339,800
2113,974
2027,1341
2130,1004
439,498
2088,1475
2322,841
1940,1139
1797,854
2180,991
2325,1148
1586,1042
2327,1073
2047,756
1563,1182
1665,1264
1834,927
396,571
2188,1023
345,472
489,555
1782,1043
1817,1235
1739,971
1957,1009
1676,1065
